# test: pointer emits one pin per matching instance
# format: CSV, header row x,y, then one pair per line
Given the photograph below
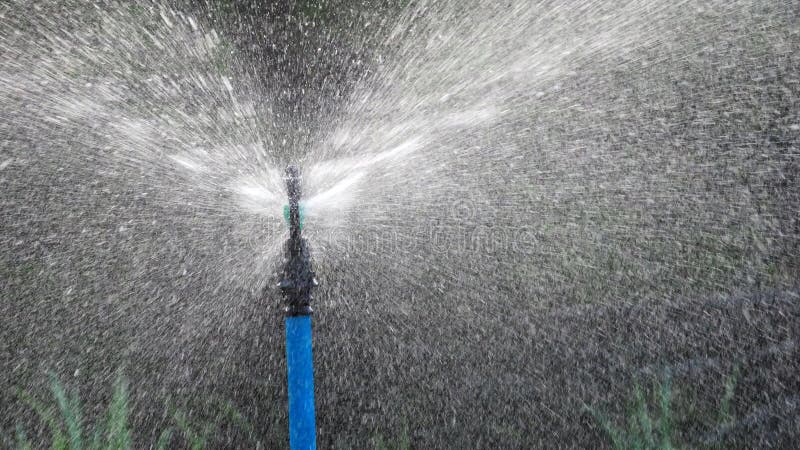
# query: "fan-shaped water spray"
x,y
518,209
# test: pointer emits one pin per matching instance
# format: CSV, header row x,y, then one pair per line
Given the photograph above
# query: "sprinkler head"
x,y
293,179
298,278
286,214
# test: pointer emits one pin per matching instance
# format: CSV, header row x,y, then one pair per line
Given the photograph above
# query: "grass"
x,y
66,424
69,431
648,424
643,431
64,419
403,442
653,430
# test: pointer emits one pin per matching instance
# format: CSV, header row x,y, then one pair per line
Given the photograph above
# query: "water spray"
x,y
296,285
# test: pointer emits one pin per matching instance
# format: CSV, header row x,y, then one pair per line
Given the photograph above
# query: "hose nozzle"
x,y
298,278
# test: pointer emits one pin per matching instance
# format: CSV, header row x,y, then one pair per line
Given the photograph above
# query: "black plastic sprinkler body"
x,y
298,276
296,285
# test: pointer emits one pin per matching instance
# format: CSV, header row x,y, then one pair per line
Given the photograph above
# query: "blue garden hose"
x,y
296,285
302,427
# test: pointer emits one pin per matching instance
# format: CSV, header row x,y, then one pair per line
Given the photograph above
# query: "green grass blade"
x,y
164,439
119,436
97,440
405,439
195,441
70,411
613,433
379,443
60,442
643,418
665,421
42,411
725,415
633,439
22,439
229,411
201,443
183,424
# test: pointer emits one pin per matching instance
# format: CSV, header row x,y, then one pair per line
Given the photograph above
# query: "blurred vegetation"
x,y
402,442
651,423
65,419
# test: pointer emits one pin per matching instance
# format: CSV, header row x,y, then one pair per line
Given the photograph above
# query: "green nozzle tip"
x,y
286,214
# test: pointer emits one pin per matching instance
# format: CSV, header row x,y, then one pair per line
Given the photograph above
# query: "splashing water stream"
x,y
518,208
